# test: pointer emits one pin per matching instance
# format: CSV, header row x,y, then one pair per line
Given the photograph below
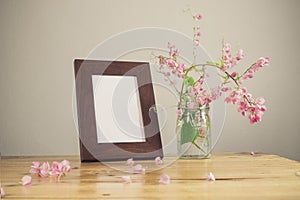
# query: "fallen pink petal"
x,y
66,166
26,180
60,169
158,161
35,167
138,169
2,193
130,162
126,179
57,169
164,179
45,170
211,177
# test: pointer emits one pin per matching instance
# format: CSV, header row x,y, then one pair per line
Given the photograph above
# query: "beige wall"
x,y
40,39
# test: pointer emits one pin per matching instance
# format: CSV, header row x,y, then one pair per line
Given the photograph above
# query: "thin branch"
x,y
237,84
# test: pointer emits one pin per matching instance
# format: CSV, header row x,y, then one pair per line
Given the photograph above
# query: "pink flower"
x,y
170,46
191,91
240,55
227,48
211,177
263,61
60,169
179,112
256,113
260,101
164,179
66,166
215,93
171,63
197,16
126,179
158,161
2,192
138,169
162,61
181,67
130,162
198,34
228,60
26,180
243,107
197,42
56,169
225,89
45,170
247,106
235,96
252,153
173,52
256,110
233,74
35,168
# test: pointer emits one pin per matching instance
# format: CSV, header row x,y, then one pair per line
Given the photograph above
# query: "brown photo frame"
x,y
90,147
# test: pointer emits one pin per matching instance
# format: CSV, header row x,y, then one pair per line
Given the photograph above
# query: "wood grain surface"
x,y
238,176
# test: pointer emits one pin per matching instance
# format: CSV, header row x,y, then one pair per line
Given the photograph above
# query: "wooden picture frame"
x,y
91,149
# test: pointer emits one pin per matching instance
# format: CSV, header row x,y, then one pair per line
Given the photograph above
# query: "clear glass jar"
x,y
194,132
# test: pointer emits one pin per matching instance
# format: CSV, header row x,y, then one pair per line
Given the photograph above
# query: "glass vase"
x,y
194,133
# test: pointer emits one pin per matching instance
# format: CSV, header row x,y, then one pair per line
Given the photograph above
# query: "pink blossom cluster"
x,y
173,66
263,61
198,95
247,106
228,60
173,51
201,95
194,93
197,92
197,32
57,169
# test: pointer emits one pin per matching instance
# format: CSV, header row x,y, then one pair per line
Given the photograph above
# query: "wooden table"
x,y
238,176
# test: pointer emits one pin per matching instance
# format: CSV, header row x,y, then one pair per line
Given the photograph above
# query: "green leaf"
x,y
212,63
222,62
188,133
188,81
223,76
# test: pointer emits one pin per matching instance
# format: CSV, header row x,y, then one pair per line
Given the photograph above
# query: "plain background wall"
x,y
40,38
